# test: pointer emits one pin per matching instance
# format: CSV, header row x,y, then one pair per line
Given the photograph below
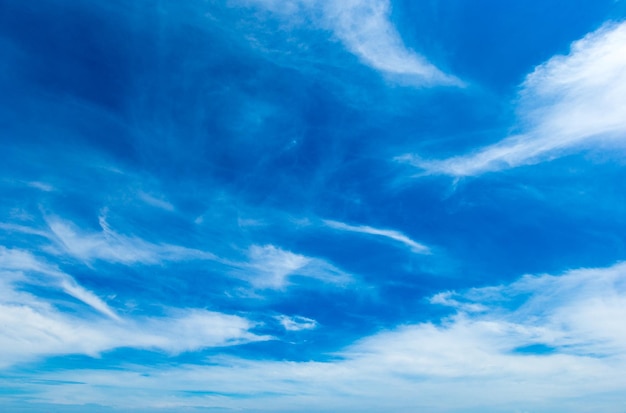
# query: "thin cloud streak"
x,y
296,323
566,104
24,262
363,26
110,246
155,201
385,233
34,327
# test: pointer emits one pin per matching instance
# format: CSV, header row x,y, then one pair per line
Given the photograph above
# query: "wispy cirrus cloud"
x,y
270,267
34,329
157,202
24,262
569,103
34,326
384,233
42,186
296,323
478,359
364,28
108,245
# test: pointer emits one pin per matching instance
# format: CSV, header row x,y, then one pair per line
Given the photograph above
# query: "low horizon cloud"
x,y
575,316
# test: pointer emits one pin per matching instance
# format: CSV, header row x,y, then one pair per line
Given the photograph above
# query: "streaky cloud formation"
x,y
575,317
270,267
110,246
385,233
363,26
296,323
34,327
23,262
566,104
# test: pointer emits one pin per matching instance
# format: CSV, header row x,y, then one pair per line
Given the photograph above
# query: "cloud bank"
x,y
477,359
35,326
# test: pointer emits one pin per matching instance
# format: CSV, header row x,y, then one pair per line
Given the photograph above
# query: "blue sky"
x,y
310,206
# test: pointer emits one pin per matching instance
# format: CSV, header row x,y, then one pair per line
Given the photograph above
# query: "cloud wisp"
x,y
566,104
34,326
396,236
296,323
110,246
34,329
364,28
270,267
25,263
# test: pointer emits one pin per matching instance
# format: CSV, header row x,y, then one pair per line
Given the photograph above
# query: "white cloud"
x,y
385,233
12,260
190,329
566,104
157,202
271,267
296,323
363,26
23,229
445,298
33,327
107,244
470,361
42,186
110,246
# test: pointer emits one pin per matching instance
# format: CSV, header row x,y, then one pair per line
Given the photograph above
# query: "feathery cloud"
x,y
566,104
385,233
34,327
296,323
363,26
110,246
12,260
